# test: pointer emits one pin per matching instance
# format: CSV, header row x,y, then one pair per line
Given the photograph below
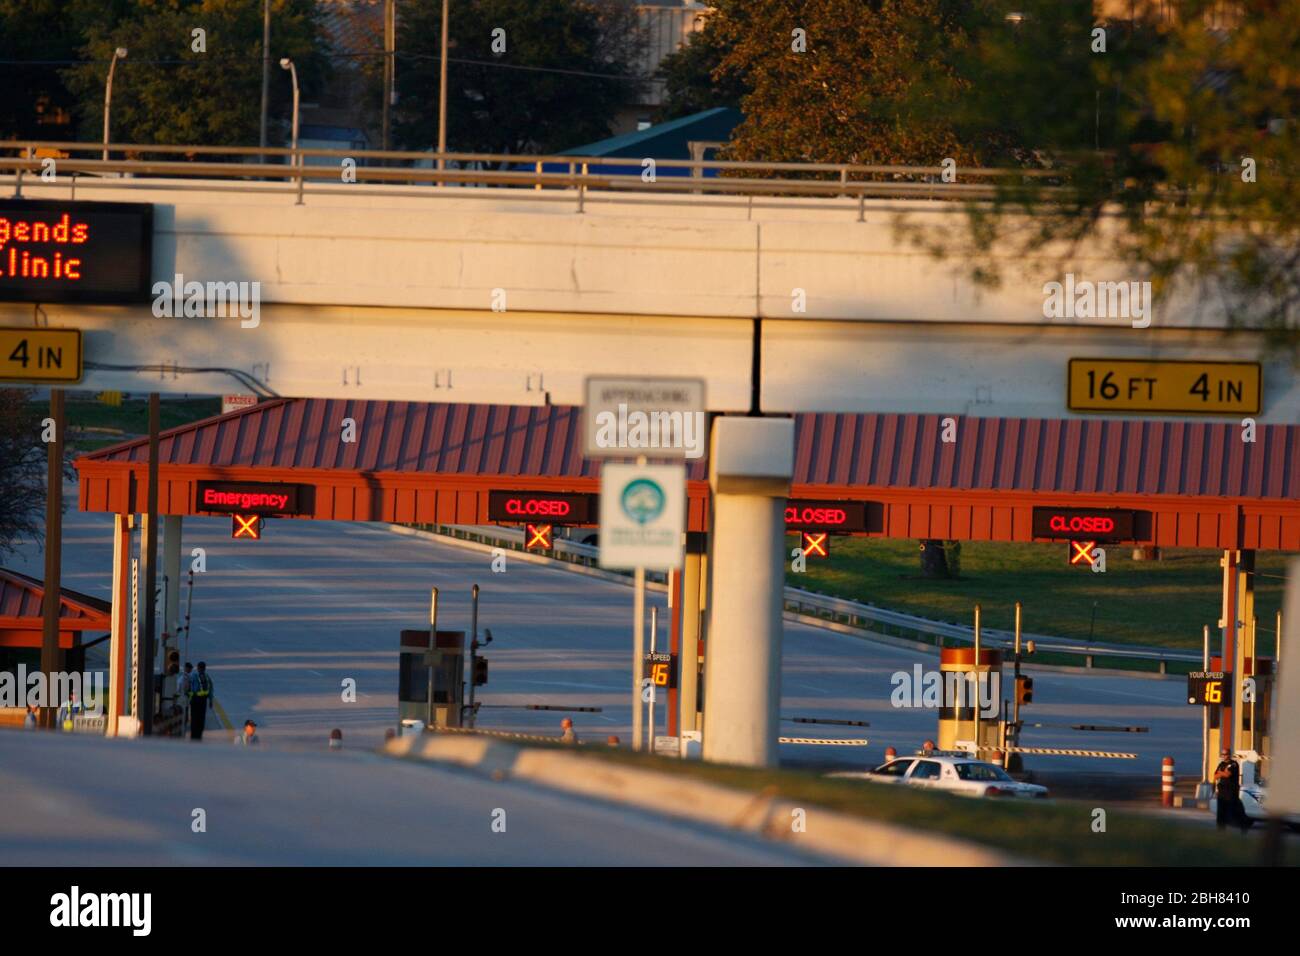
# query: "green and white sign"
x,y
642,516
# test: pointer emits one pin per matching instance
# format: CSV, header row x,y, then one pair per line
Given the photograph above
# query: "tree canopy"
x,y
523,75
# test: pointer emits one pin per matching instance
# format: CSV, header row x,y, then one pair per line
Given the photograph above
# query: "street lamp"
x,y
287,64
118,54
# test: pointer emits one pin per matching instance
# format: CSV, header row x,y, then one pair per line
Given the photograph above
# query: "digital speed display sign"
x,y
252,498
543,507
1086,524
54,251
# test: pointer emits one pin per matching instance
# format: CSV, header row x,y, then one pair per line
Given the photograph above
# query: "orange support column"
x,y
121,611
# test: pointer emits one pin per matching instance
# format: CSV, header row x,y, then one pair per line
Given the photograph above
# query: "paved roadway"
x,y
78,801
283,621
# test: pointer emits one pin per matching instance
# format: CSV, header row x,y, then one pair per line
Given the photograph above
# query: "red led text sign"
x,y
542,507
53,251
1092,524
251,498
810,515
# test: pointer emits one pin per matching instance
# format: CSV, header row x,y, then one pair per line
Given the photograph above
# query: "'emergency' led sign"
x,y
812,515
252,498
542,507
55,251
1091,524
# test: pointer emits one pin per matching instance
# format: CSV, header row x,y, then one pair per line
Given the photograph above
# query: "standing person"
x,y
183,681
200,693
1227,792
567,733
30,722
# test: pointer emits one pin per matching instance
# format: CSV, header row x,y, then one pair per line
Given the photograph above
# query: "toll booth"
x,y
958,717
444,664
1256,729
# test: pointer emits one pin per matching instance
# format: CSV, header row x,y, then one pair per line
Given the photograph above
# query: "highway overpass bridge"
x,y
784,296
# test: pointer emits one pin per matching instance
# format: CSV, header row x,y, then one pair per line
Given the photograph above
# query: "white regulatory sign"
x,y
655,417
642,516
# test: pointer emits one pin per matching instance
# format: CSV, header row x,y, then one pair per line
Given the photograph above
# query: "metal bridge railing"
x,y
245,165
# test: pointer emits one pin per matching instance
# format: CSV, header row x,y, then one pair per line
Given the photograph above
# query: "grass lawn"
x,y
113,424
1051,832
1164,603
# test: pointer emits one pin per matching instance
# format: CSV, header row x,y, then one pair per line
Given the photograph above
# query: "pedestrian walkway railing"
x,y
305,171
867,616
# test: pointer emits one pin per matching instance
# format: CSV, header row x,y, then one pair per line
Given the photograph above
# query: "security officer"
x,y
1227,792
200,693
71,708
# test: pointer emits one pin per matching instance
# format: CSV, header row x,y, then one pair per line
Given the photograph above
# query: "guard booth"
x,y
443,665
958,717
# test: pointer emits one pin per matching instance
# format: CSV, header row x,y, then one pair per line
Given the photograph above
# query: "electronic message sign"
x,y
252,498
55,251
542,507
803,514
1208,687
1091,524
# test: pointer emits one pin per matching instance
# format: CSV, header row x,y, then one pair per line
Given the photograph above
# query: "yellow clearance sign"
x,y
40,355
1177,387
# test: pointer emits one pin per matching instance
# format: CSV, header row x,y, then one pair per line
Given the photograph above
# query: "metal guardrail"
x,y
855,613
753,179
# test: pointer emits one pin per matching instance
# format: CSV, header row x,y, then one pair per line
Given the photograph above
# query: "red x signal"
x,y
816,545
538,536
1082,552
246,526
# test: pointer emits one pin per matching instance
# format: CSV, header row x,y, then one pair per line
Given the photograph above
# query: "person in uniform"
x,y
1227,792
200,693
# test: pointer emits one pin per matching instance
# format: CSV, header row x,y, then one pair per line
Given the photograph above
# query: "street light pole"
x,y
118,54
442,88
266,69
295,158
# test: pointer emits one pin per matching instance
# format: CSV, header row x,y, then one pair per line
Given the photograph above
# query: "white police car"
x,y
951,771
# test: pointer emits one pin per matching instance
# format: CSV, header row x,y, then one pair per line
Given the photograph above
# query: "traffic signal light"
x,y
480,671
1024,690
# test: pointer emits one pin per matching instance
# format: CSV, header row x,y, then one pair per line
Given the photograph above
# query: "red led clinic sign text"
x,y
1084,523
811,515
53,251
541,507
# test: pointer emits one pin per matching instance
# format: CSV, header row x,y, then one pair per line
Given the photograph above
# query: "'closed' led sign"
x,y
812,515
1091,524
54,251
542,507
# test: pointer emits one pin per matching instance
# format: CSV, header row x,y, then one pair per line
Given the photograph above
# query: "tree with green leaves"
x,y
694,80
180,87
23,465
38,39
831,81
524,76
1166,141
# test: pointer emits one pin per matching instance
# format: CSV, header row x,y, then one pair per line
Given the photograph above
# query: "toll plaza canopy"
x,y
1183,483
22,618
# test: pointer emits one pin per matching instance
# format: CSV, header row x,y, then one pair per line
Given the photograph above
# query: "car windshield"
x,y
981,771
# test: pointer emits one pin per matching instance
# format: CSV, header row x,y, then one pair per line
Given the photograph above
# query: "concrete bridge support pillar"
x,y
750,466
